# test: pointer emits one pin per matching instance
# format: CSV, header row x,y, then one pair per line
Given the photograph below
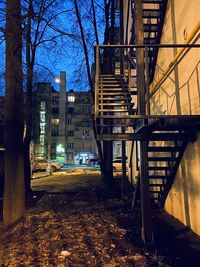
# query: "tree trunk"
x,y
28,106
95,23
84,46
14,205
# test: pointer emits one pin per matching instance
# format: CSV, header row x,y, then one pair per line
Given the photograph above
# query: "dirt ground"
x,y
76,221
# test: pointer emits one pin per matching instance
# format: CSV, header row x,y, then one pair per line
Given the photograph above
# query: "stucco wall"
x,y
180,94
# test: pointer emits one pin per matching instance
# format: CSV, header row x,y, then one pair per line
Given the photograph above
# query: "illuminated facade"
x,y
80,140
71,138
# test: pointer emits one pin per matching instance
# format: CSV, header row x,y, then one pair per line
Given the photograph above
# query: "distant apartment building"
x,y
80,140
69,136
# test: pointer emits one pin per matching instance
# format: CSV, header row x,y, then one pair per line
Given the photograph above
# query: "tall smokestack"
x,y
62,103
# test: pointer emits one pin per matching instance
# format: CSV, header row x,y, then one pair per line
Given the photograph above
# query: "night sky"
x,y
64,53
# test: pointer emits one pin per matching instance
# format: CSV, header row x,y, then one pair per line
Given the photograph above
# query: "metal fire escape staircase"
x,y
116,107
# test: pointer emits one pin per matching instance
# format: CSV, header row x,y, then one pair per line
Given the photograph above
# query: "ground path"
x,y
77,222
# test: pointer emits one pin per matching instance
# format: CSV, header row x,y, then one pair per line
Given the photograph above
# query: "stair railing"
x,y
97,65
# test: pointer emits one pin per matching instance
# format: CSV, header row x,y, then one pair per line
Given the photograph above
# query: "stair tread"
x,y
113,110
157,185
163,149
116,94
158,176
161,159
159,168
113,104
111,89
112,98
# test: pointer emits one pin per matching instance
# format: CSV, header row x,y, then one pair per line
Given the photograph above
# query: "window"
x,y
71,98
85,110
42,139
70,145
85,122
85,133
55,121
53,145
42,116
42,128
70,156
55,110
55,99
54,132
69,121
70,110
42,105
70,133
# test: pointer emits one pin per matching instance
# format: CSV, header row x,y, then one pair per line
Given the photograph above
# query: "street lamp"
x,y
57,80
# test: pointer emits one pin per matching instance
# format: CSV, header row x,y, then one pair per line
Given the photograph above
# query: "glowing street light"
x,y
57,80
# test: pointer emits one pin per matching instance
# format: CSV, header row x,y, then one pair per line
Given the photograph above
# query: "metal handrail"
x,y
96,80
150,46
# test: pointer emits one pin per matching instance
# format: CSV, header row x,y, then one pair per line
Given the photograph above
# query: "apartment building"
x,y
80,140
69,137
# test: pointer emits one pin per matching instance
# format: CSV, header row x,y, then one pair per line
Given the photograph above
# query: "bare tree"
x,y
13,206
109,25
40,28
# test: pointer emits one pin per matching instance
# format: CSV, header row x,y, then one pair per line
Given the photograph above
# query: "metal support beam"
x,y
123,166
145,137
146,230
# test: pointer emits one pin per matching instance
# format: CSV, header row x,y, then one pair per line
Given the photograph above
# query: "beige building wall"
x,y
180,94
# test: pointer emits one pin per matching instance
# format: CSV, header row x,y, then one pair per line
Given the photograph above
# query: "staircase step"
x,y
161,159
116,94
111,89
158,177
159,168
155,191
114,98
150,27
163,149
112,82
152,1
151,13
160,185
113,110
113,104
111,85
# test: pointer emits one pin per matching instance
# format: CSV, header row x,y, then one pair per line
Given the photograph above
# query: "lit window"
x,y
55,121
42,116
42,128
42,105
71,98
60,149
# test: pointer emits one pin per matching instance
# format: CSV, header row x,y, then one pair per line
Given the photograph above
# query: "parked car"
x,y
93,162
61,163
41,165
117,164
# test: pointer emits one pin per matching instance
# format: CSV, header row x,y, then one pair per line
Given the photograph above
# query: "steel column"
x,y
144,183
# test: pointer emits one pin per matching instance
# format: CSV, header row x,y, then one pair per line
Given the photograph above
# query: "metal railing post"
x,y
96,80
147,81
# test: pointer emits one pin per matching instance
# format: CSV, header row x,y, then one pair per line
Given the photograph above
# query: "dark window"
x,y
55,110
70,145
70,110
70,133
54,132
69,121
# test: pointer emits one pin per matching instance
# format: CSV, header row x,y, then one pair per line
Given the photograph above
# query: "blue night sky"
x,y
64,53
